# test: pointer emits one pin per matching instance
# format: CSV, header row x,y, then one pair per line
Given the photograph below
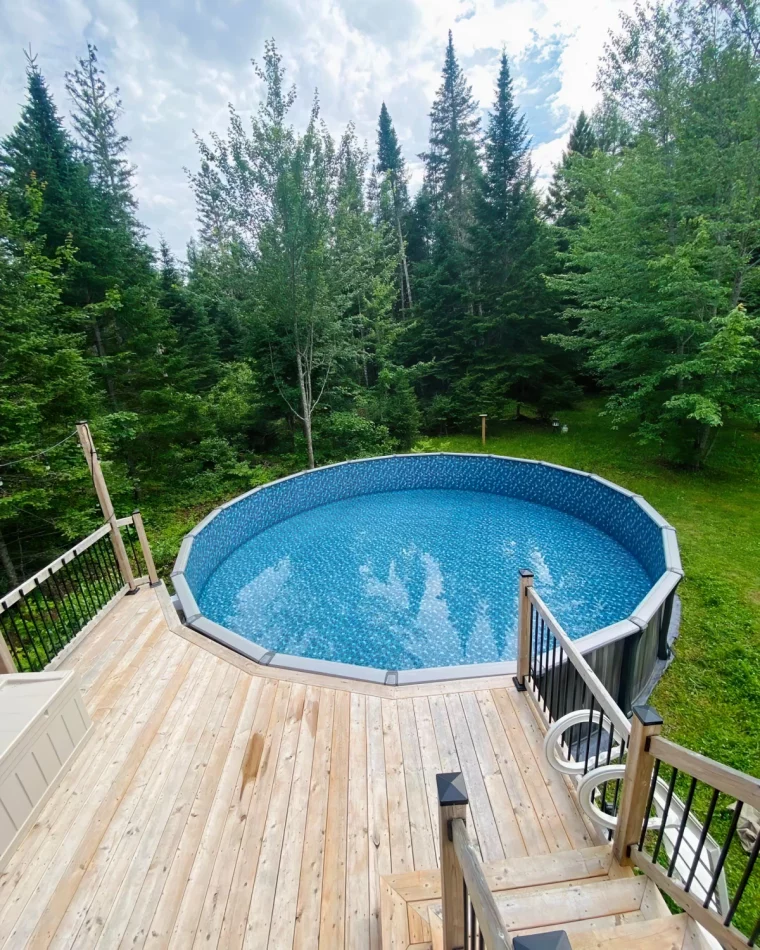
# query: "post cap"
x,y
524,572
483,415
554,940
451,788
647,715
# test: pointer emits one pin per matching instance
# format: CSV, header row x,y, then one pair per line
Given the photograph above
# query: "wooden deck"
x,y
218,804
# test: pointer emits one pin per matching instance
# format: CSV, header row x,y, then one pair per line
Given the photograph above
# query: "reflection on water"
x,y
417,579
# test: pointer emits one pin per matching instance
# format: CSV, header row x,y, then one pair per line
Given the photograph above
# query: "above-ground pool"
x,y
410,564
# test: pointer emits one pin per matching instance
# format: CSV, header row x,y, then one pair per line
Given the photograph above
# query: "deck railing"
x,y
664,807
684,842
39,618
471,919
585,727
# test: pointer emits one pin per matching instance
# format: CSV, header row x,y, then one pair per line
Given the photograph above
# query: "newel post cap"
x,y
647,715
451,788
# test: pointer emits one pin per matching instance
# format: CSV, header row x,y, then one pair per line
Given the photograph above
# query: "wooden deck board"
x,y
219,804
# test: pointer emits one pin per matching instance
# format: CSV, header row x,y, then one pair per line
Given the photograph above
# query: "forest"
x,y
324,311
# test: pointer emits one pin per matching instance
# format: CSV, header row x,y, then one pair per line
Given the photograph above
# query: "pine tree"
x,y
393,194
96,111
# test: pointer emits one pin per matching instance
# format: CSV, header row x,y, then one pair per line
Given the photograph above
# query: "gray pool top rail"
x,y
619,513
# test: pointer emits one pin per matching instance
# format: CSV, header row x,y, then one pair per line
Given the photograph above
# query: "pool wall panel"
x,y
621,655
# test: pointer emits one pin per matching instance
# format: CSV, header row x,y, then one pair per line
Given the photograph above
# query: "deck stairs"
x,y
600,905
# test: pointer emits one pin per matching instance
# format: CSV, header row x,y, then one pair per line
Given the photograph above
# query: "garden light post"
x,y
483,417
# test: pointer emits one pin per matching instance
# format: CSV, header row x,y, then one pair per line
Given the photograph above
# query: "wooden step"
x,y
405,898
662,933
541,907
597,906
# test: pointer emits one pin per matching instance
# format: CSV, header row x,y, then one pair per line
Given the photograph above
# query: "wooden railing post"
x,y
523,631
452,803
101,489
636,784
483,418
145,546
7,664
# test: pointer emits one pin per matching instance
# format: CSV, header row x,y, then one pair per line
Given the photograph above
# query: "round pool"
x,y
410,563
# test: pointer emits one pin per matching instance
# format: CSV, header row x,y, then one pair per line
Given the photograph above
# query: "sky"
x,y
179,63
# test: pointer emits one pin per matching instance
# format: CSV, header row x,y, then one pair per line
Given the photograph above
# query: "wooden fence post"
x,y
145,546
483,417
452,803
523,631
646,723
101,489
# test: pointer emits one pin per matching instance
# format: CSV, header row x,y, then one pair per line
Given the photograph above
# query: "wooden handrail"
x,y
597,687
487,913
730,781
28,585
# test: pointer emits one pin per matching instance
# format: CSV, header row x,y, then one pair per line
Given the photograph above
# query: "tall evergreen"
x,y
564,199
451,161
96,110
393,196
512,252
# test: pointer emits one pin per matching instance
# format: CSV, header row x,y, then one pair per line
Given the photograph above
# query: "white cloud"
x,y
178,65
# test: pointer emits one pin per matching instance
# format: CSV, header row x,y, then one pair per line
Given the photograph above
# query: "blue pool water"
x,y
418,578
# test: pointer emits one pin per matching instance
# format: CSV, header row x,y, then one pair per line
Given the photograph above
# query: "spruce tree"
x,y
451,161
511,251
394,197
95,114
562,203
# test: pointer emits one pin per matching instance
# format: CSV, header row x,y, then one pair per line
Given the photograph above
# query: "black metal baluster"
x,y
755,933
665,811
53,626
20,613
97,579
113,565
75,585
617,781
647,813
473,926
138,569
39,628
27,643
62,604
554,667
682,827
723,854
466,912
588,734
702,838
76,569
743,883
544,663
105,576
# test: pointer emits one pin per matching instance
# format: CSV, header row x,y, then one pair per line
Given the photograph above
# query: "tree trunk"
x,y
8,565
306,408
100,349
